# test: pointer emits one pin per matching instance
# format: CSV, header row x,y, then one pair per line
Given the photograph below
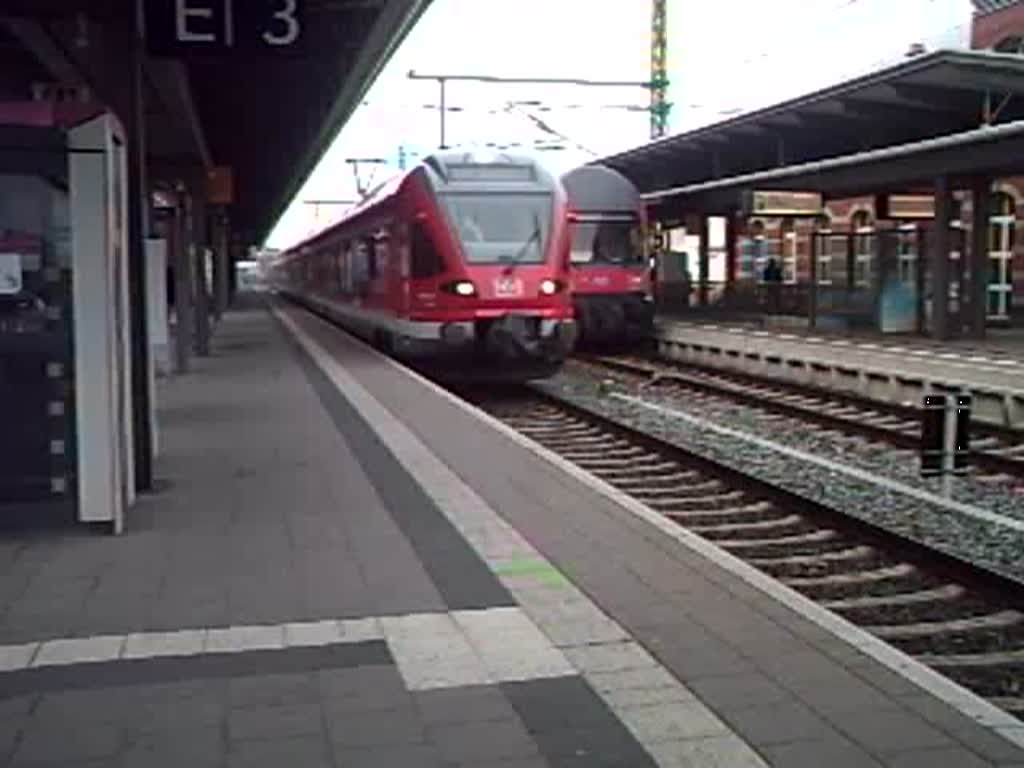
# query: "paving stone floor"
x,y
318,582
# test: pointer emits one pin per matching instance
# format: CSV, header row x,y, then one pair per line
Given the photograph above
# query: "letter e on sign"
x,y
192,21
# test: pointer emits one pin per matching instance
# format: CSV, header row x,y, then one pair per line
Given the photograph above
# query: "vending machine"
x,y
65,363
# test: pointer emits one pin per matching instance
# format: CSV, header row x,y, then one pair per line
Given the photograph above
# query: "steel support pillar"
x,y
812,293
217,266
886,257
220,265
731,257
940,260
180,250
851,264
703,260
138,225
198,234
977,302
233,258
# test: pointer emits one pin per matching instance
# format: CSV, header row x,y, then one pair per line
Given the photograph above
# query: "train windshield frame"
x,y
500,228
604,240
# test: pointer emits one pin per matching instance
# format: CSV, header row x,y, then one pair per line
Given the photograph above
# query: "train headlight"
x,y
460,288
549,287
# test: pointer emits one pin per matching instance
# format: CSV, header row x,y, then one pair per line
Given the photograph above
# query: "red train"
x,y
611,279
461,265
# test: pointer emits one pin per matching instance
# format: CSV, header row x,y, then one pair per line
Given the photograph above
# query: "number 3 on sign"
x,y
291,29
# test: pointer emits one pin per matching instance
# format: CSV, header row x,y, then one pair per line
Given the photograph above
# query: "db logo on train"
x,y
508,287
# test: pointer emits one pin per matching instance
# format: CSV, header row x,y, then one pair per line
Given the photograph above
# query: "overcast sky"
x,y
725,57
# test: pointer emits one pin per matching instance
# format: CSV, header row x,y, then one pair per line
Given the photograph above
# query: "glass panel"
x,y
607,242
995,271
498,229
426,261
789,271
825,271
994,303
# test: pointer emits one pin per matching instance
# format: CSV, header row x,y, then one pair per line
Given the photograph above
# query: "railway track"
x,y
961,620
995,451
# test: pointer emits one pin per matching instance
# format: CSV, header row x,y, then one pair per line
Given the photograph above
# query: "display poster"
x,y
10,273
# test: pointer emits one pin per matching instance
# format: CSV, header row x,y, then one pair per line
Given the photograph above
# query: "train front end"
x,y
611,282
503,300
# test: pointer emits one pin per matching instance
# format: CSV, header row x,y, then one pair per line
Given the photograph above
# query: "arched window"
x,y
863,248
788,246
907,247
753,251
1001,239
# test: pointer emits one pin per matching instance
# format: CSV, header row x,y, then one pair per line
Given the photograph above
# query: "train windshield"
x,y
607,242
499,229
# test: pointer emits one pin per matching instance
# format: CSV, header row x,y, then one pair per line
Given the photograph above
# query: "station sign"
x,y
904,207
187,28
778,203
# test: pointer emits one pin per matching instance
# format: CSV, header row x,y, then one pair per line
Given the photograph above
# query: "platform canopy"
x,y
926,97
985,7
962,158
265,111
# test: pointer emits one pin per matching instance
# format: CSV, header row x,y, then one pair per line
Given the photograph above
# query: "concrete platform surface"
x,y
883,369
1000,343
344,567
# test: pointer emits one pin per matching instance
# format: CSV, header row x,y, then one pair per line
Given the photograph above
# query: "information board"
x,y
185,28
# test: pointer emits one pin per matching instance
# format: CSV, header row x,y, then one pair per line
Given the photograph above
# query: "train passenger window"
x,y
426,261
357,267
342,264
371,258
382,251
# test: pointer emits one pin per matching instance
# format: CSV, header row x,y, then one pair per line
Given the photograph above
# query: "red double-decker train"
x,y
460,265
611,279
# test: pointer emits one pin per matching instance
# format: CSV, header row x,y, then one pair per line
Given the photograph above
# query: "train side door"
x,y
401,255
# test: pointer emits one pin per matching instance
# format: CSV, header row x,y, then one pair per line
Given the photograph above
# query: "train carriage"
x,y
611,282
460,265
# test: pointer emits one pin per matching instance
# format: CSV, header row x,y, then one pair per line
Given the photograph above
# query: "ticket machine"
x,y
65,363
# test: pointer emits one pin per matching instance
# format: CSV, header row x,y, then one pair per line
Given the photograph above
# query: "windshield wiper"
x,y
512,262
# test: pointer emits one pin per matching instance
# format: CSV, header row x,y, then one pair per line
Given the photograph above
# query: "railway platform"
x,y
886,369
346,566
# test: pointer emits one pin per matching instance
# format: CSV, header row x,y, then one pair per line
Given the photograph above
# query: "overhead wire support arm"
x,y
442,80
361,188
414,75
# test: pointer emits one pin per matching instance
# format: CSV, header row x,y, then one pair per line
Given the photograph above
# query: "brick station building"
x,y
997,25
